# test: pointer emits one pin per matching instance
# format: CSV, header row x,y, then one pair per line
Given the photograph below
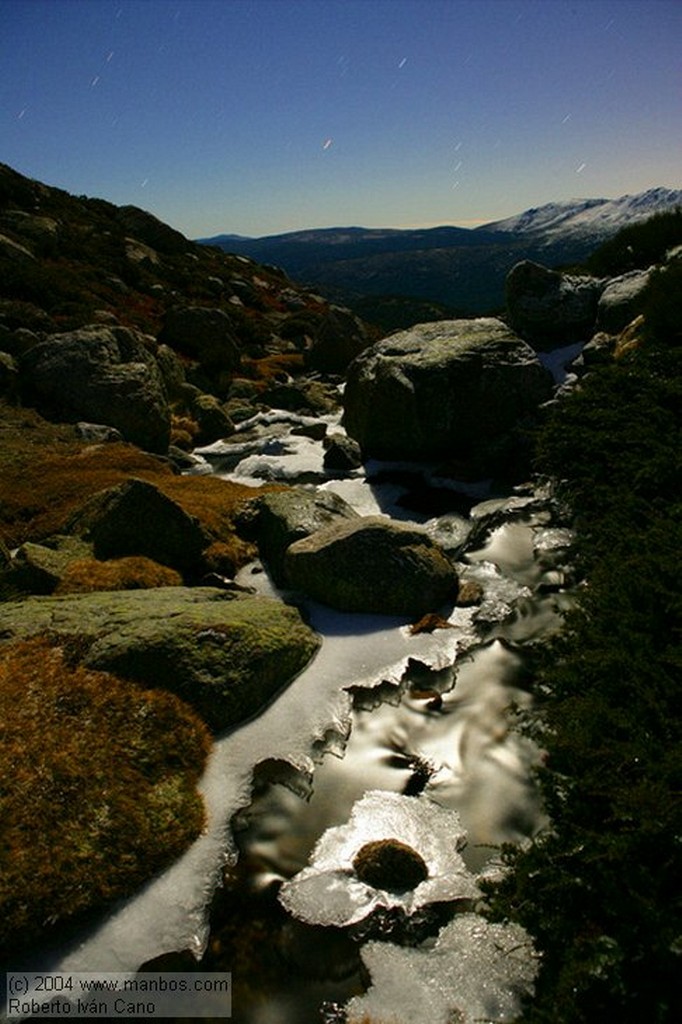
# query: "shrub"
x,y
99,788
638,246
599,890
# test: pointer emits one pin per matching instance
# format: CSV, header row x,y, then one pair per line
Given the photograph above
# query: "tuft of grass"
x,y
184,432
274,367
98,790
132,573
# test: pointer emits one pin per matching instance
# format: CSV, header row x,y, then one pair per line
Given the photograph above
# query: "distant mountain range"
x,y
444,269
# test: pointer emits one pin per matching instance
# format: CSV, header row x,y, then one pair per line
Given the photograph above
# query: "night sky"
x,y
260,116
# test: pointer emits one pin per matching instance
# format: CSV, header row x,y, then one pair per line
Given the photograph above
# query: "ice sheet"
x,y
475,973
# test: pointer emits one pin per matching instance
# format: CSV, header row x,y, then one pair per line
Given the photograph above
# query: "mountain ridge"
x,y
615,213
461,269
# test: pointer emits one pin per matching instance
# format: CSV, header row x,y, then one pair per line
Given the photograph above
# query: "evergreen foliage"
x,y
599,890
637,246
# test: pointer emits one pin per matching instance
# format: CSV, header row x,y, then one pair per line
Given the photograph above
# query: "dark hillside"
x,y
600,890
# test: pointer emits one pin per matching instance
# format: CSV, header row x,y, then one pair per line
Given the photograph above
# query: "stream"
x,y
387,733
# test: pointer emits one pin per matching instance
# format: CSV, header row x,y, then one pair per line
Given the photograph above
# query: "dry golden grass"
x,y
98,788
184,431
133,573
274,367
46,474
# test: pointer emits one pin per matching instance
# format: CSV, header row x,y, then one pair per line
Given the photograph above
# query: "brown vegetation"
x,y
46,474
108,773
134,573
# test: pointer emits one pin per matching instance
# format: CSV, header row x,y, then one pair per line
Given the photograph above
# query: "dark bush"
x,y
638,246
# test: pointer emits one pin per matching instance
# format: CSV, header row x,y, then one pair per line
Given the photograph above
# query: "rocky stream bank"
x,y
269,613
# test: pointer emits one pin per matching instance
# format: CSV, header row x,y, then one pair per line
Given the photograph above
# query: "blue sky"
x,y
261,116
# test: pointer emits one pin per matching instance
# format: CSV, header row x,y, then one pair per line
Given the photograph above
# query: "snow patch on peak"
x,y
575,217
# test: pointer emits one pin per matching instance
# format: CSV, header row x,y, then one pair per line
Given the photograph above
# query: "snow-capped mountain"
x,y
574,218
463,269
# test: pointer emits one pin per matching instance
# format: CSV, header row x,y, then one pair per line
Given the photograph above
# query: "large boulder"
x,y
279,518
622,300
550,309
101,374
447,389
224,654
371,565
204,334
211,418
136,518
340,337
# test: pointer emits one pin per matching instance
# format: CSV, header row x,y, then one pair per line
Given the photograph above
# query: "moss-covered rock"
x,y
279,518
39,568
371,565
226,655
390,864
453,389
101,374
98,788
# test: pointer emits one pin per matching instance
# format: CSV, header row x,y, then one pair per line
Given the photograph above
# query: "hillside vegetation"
x,y
600,889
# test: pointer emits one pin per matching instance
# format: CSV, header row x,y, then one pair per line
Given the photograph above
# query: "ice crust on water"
x,y
171,912
474,973
329,892
264,449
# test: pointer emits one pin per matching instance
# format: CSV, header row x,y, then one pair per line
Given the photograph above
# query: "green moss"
x,y
98,788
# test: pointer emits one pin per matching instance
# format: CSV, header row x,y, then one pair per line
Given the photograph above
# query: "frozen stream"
x,y
422,718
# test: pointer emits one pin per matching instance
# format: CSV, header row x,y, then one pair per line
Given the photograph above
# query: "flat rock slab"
x,y
225,654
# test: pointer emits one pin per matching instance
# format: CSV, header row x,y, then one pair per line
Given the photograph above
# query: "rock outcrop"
x,y
39,568
372,565
442,390
136,518
622,300
225,655
550,309
205,334
340,337
102,374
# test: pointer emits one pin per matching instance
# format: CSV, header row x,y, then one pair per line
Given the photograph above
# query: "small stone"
x,y
390,864
429,622
469,593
